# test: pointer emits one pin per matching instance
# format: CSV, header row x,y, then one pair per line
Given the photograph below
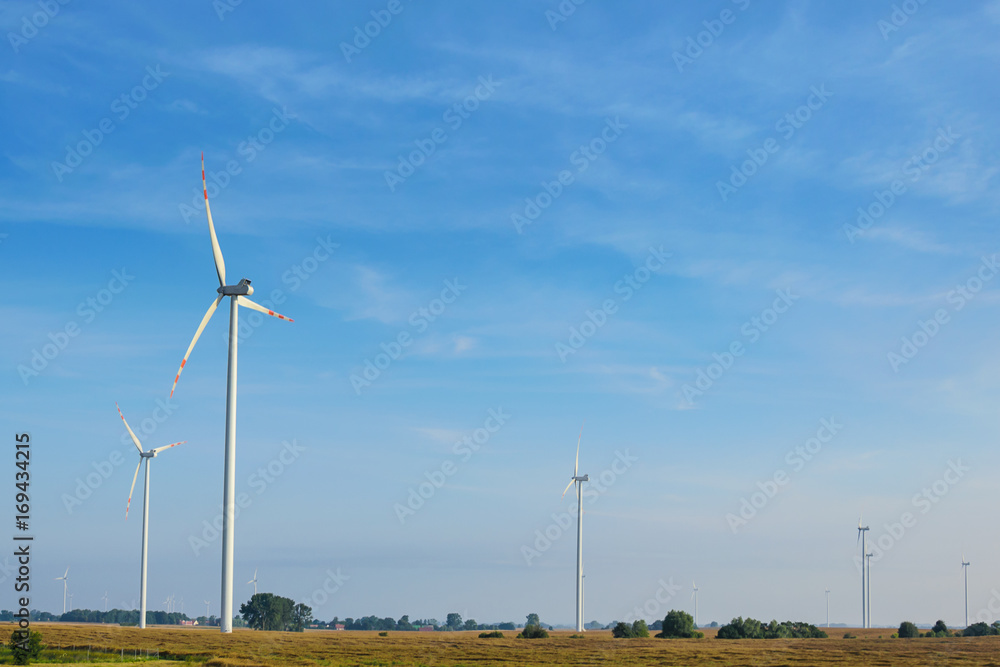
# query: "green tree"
x,y
454,621
908,630
677,625
533,620
979,630
640,629
302,616
533,632
470,624
25,646
621,630
940,629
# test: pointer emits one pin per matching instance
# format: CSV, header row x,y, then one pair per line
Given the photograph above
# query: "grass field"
x,y
405,649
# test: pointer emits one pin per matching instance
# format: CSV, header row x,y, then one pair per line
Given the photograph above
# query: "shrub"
x,y
25,651
908,630
940,629
639,629
678,625
848,635
979,630
749,628
383,634
533,632
490,635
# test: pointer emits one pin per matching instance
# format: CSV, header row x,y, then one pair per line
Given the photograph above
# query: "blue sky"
x,y
367,184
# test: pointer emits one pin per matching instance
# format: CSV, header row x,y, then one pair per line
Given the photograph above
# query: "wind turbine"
x,y
863,538
578,479
965,569
206,608
828,607
238,294
105,598
65,580
254,581
71,602
694,596
144,456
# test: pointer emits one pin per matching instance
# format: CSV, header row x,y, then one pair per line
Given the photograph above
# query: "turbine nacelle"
x,y
581,478
242,288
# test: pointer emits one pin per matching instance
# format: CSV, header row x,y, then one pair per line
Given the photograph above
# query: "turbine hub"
x,y
582,478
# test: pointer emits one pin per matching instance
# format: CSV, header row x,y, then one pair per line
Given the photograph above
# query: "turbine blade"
x,y
160,449
220,263
243,301
134,477
571,482
66,576
129,428
576,466
197,334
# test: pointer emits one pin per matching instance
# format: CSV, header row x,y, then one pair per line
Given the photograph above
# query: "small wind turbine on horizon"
x,y
71,602
105,598
828,607
206,609
965,569
254,581
868,558
65,580
694,596
863,540
578,479
238,294
144,456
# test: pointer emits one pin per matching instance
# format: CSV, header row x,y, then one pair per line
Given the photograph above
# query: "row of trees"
x,y
114,616
453,622
909,630
751,628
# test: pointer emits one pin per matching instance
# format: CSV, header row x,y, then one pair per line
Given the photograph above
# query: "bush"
x,y
626,631
740,628
533,632
678,625
908,630
848,635
25,651
490,635
383,634
979,630
940,629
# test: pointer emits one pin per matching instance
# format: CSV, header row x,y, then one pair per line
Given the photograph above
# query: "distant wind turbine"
x,y
71,602
868,558
105,598
206,609
578,479
238,297
965,569
65,580
254,581
828,607
144,456
694,596
863,539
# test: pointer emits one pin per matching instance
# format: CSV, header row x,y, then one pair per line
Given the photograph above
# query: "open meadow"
x,y
403,649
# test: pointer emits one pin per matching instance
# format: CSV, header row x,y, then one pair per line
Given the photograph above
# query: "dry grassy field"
x,y
405,649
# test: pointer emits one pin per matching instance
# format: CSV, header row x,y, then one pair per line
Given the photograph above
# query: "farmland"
x,y
403,649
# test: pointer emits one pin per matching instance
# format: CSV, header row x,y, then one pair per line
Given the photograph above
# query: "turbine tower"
x,y
694,596
254,581
105,598
578,479
828,607
237,294
863,539
965,569
868,558
144,456
65,580
206,609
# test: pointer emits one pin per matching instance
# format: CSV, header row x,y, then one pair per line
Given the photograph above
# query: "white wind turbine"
x,y
863,537
965,569
105,598
254,581
144,456
828,607
578,479
694,596
207,605
238,294
65,580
